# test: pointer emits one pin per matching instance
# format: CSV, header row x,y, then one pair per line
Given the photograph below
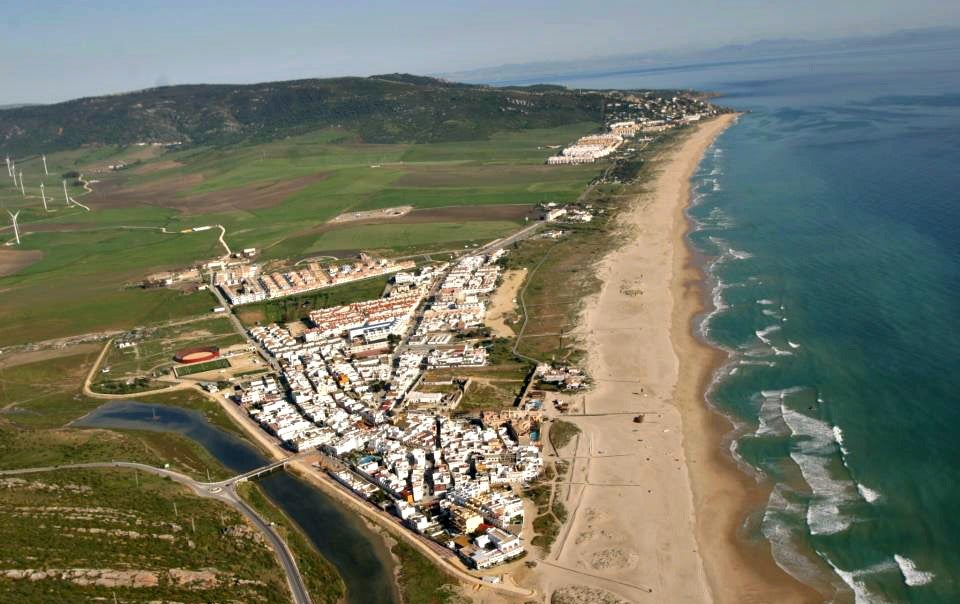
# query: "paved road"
x,y
225,494
268,359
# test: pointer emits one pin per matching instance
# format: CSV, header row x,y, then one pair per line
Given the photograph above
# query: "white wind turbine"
x,y
43,196
16,230
45,173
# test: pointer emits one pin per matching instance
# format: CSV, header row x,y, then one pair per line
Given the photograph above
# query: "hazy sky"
x,y
55,51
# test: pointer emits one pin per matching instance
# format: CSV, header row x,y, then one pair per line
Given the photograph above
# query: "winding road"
x,y
223,491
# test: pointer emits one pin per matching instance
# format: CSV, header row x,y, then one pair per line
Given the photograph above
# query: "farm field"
x,y
275,196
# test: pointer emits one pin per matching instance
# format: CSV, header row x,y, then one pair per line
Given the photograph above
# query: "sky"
x,y
54,51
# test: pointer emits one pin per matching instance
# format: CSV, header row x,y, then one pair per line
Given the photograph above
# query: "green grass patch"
x,y
562,432
421,582
183,370
295,308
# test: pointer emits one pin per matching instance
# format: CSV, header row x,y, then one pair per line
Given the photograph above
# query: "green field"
x,y
201,367
80,283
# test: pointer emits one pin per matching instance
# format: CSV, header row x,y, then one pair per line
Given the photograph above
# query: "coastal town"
x,y
398,381
348,386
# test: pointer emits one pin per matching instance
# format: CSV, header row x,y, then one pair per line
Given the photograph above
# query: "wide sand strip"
x,y
638,526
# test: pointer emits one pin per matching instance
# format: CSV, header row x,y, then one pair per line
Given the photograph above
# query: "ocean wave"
x,y
760,363
718,307
765,302
793,345
837,436
853,580
770,415
766,331
912,576
815,445
868,494
777,528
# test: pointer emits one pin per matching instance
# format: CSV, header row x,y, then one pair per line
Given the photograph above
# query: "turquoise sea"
x,y
829,217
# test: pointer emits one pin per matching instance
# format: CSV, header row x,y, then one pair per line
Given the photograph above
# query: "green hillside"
x,y
384,109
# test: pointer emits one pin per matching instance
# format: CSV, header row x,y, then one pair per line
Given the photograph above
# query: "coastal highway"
x,y
225,494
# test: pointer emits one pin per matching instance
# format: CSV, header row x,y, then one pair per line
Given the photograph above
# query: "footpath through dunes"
x,y
637,526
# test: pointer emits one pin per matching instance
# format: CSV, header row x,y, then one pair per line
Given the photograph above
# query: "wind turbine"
x,y
9,173
23,191
45,173
43,196
65,194
16,230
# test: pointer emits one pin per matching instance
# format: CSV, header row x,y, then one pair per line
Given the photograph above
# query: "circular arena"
x,y
197,355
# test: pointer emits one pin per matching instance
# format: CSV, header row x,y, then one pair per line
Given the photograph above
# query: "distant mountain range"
x,y
555,71
385,109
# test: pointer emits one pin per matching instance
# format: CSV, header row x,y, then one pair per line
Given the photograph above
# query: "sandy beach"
x,y
654,507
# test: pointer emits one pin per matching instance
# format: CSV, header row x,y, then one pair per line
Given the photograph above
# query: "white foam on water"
x,y
868,494
812,455
738,255
734,371
783,538
793,345
771,416
912,576
837,435
765,302
760,363
771,313
718,306
766,331
861,595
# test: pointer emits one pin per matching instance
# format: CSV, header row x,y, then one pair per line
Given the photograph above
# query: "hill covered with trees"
x,y
379,109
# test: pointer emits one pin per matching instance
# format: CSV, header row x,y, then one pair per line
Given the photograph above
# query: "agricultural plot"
x,y
277,197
